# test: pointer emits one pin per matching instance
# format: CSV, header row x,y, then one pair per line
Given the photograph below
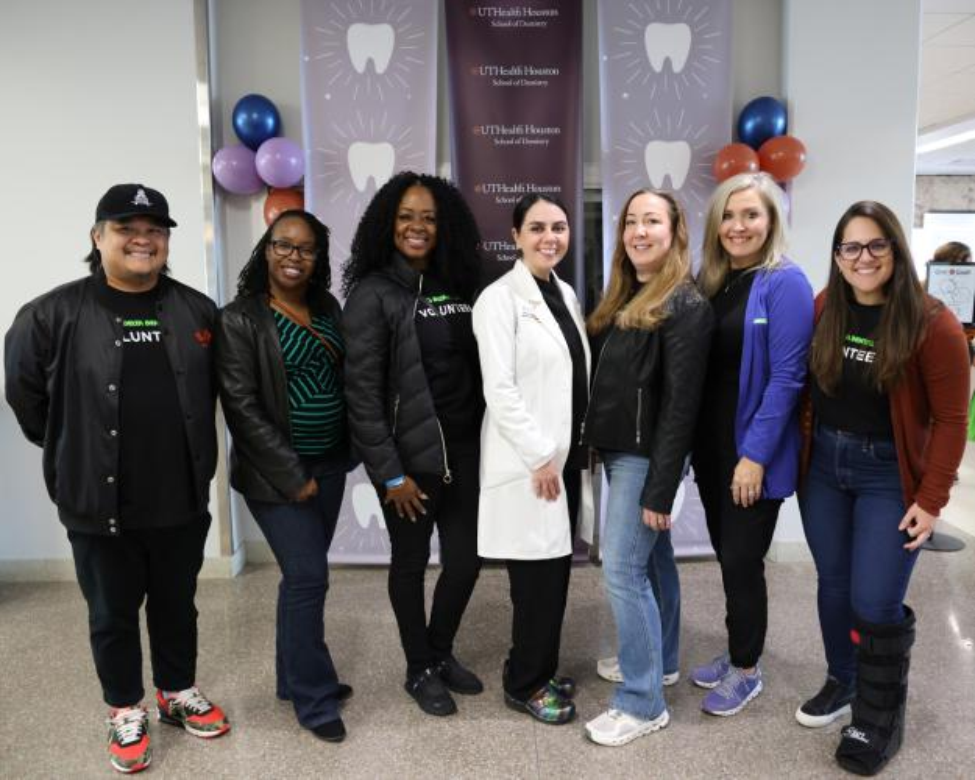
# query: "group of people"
x,y
477,410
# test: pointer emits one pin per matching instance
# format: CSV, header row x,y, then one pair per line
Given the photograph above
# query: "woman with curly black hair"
x,y
280,357
413,387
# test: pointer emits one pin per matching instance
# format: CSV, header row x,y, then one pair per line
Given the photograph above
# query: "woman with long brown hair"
x,y
886,424
651,331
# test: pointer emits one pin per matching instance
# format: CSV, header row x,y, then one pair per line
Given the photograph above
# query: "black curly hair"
x,y
456,256
253,279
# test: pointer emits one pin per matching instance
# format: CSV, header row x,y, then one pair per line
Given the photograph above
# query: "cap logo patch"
x,y
141,199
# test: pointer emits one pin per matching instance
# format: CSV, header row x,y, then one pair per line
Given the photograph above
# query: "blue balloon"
x,y
761,119
256,120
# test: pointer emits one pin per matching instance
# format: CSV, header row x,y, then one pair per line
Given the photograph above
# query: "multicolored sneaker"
x,y
544,705
128,739
709,675
562,686
733,692
192,711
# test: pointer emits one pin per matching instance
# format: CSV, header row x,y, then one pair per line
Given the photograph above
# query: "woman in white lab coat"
x,y
534,470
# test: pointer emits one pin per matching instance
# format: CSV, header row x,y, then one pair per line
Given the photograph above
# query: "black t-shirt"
x,y
154,473
856,406
719,403
578,455
449,351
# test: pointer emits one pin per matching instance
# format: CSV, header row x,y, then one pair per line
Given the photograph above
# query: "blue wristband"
x,y
395,482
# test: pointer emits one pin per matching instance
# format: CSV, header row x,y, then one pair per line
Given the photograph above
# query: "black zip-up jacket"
x,y
646,389
392,419
63,366
254,396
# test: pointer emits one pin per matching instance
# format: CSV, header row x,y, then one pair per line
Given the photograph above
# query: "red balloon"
x,y
734,159
279,200
783,157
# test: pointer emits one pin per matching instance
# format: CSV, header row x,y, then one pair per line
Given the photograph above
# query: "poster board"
x,y
954,285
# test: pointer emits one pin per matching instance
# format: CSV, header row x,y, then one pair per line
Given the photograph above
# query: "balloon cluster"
x,y
764,145
262,159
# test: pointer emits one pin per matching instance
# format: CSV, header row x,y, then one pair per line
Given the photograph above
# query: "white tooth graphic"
x,y
667,158
371,161
365,506
667,40
370,42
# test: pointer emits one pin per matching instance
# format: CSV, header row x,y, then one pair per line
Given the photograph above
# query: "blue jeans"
x,y
300,534
631,552
851,505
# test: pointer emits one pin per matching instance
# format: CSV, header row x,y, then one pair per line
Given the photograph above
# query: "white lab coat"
x,y
527,372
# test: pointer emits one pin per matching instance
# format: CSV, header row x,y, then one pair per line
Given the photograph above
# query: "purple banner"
x,y
515,69
666,110
368,81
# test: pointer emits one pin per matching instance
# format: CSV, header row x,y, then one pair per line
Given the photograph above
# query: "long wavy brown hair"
x,y
648,308
902,322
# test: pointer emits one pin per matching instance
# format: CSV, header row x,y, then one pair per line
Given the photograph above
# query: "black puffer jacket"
x,y
63,366
646,389
392,419
254,395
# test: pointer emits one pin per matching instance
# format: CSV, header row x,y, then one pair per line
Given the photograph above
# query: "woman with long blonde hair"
x,y
651,332
746,446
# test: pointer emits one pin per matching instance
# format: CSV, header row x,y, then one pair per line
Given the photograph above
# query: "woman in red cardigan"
x,y
889,392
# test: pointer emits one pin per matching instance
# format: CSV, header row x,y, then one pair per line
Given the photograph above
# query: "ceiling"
x,y
946,114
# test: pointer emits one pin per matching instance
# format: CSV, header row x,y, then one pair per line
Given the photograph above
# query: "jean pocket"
x,y
884,451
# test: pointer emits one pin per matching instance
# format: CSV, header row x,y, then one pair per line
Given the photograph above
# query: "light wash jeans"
x,y
632,554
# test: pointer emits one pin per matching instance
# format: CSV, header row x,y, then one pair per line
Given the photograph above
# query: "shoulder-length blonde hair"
x,y
715,262
647,309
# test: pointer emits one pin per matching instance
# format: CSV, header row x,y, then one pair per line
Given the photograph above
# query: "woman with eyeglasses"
x,y
415,407
280,355
886,425
746,447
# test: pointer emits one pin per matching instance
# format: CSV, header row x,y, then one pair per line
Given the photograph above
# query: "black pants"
x,y
453,510
116,574
741,537
539,589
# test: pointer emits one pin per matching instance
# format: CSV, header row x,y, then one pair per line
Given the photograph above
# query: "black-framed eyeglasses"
x,y
283,249
851,250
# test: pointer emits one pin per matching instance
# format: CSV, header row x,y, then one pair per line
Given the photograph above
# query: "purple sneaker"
x,y
733,692
710,674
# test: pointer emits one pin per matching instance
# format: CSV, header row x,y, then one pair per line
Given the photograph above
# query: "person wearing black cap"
x,y
112,376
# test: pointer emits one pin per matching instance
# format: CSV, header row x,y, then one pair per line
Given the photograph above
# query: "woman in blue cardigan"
x,y
746,447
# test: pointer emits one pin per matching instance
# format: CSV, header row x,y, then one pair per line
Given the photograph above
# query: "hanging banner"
x,y
515,69
369,108
666,110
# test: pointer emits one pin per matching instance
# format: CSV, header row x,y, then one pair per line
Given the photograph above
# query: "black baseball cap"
x,y
133,200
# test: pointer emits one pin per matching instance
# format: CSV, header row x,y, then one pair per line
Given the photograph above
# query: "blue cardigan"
x,y
778,330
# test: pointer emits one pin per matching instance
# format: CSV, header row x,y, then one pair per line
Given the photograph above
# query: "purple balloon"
x,y
280,162
233,168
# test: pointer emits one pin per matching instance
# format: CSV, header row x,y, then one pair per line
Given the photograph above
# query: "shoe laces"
x,y
192,700
129,724
734,678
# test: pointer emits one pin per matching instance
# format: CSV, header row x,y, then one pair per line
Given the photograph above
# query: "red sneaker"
x,y
192,711
128,739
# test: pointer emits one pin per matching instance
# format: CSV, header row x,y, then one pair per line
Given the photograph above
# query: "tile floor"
x,y
51,715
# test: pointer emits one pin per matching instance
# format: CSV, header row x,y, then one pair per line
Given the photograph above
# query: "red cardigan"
x,y
928,411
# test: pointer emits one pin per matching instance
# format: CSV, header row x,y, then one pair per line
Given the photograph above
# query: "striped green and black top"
x,y
316,400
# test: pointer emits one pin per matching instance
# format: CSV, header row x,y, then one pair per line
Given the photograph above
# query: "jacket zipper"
x,y
599,364
395,413
447,476
639,411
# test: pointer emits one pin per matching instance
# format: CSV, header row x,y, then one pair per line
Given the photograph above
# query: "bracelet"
x,y
395,482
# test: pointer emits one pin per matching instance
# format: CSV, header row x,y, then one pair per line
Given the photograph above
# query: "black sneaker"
x,y
331,731
832,702
458,678
430,692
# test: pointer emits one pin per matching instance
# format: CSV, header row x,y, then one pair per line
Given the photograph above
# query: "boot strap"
x,y
872,644
883,673
866,715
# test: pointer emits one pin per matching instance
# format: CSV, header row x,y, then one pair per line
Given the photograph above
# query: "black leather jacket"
x,y
254,396
63,366
392,419
646,389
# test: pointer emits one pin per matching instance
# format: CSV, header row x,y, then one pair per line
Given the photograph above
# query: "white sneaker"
x,y
614,728
609,669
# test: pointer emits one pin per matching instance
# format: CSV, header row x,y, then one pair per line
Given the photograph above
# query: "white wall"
x,y
94,93
850,74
